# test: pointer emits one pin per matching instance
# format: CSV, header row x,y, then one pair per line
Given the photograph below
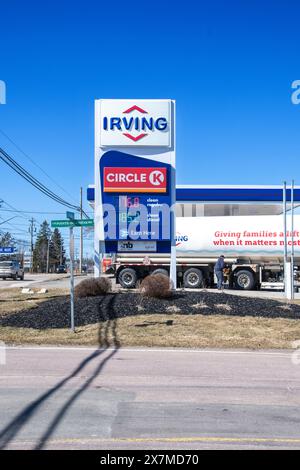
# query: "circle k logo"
x,y
156,178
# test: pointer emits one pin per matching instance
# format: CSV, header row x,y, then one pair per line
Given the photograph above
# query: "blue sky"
x,y
228,64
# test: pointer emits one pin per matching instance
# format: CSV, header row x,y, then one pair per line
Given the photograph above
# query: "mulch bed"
x,y
55,313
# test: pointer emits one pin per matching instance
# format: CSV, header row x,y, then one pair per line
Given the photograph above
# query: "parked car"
x,y
61,269
11,269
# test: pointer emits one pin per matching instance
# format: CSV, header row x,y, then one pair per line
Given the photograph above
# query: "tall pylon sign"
x,y
135,180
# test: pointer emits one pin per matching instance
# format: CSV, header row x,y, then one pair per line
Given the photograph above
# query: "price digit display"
x,y
126,202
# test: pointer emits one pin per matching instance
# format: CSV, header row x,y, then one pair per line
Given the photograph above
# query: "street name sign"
x,y
72,223
7,249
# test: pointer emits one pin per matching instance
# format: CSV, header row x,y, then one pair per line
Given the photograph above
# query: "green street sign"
x,y
61,223
72,223
70,215
84,223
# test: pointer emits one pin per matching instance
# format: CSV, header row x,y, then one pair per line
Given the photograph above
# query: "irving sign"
x,y
135,180
136,123
135,170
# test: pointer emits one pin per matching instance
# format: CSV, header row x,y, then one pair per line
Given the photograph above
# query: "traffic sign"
x,y
72,223
7,249
70,215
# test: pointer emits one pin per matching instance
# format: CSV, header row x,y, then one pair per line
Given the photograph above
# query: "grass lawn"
x,y
161,330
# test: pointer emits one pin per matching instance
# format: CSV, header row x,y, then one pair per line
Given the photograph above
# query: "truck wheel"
x,y
244,280
193,278
160,271
127,278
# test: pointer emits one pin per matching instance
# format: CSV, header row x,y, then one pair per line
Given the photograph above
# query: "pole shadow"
x,y
106,314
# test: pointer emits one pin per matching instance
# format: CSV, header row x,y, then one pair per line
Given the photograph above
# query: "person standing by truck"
x,y
219,266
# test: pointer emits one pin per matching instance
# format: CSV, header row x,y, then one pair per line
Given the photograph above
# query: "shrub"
x,y
93,287
156,285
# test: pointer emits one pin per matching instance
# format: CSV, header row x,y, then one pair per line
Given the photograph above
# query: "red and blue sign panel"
x,y
134,180
139,191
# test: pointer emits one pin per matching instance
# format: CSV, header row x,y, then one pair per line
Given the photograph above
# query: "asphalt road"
x,y
62,281
48,281
79,398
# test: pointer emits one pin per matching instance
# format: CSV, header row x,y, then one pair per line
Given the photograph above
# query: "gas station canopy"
x,y
222,200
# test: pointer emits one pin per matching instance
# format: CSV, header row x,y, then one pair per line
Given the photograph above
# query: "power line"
x,y
16,240
13,209
12,163
15,224
19,230
40,212
34,163
6,158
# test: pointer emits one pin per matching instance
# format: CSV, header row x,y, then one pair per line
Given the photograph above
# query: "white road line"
x,y
143,350
133,440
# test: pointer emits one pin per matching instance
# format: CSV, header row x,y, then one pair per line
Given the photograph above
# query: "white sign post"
x,y
72,278
288,280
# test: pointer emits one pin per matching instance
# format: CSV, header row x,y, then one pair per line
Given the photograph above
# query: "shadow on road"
x,y
106,314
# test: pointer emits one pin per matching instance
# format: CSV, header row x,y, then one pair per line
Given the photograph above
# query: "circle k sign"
x,y
146,180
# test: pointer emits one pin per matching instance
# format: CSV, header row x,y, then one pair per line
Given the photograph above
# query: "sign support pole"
x,y
287,264
284,222
173,268
81,235
173,273
72,278
285,268
292,238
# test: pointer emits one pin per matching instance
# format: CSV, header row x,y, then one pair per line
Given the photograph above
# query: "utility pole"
x,y
31,230
81,236
48,249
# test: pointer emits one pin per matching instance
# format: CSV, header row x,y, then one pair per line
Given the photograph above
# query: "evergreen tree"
x,y
57,251
41,248
6,239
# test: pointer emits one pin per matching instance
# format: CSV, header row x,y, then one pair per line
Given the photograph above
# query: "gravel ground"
x,y
55,313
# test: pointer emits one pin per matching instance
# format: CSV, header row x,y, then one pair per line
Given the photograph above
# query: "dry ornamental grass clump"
x,y
156,285
224,307
93,287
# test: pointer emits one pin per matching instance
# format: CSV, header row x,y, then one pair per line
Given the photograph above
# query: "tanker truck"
x,y
253,247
